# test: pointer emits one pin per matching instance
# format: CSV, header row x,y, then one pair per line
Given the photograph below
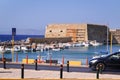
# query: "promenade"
x,y
47,71
50,74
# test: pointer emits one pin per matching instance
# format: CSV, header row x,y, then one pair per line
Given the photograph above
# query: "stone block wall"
x,y
97,32
116,36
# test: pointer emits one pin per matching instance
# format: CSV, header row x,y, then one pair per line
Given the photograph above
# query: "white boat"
x,y
25,49
78,44
85,44
56,49
2,49
38,48
7,50
94,43
17,48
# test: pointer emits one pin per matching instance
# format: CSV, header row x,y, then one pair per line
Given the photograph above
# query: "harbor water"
x,y
73,53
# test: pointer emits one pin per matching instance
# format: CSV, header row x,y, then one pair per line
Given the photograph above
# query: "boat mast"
x,y
107,38
111,38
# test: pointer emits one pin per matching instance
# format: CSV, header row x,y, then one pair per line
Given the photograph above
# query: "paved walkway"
x,y
47,74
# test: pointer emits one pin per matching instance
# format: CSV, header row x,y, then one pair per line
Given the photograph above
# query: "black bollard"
x,y
101,67
61,71
35,64
67,66
22,71
97,75
4,63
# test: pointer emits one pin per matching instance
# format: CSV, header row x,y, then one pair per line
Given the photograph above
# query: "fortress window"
x,y
50,30
61,31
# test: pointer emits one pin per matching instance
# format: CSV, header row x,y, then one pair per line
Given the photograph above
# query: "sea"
x,y
72,54
5,37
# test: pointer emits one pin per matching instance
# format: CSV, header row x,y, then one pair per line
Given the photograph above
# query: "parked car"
x,y
108,60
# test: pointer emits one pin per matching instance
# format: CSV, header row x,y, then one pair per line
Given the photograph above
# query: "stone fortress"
x,y
83,32
78,32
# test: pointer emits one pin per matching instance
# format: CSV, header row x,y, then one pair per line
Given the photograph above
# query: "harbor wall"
x,y
50,40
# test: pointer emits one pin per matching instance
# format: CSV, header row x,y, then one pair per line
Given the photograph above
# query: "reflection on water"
x,y
76,53
81,49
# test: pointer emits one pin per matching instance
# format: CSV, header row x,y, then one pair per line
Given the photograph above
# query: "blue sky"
x,y
32,16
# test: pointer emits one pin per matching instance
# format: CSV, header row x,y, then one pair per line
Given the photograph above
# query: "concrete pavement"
x,y
48,74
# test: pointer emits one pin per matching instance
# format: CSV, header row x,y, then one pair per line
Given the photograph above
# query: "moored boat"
x,y
2,49
94,43
56,49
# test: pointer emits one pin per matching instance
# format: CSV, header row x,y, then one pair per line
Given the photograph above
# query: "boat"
x,y
56,49
38,47
79,44
66,45
95,43
85,44
2,49
7,50
17,48
25,49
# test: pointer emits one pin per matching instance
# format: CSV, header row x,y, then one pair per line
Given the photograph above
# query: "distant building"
x,y
78,32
